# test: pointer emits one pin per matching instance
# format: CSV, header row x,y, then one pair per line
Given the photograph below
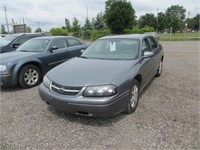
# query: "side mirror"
x,y
53,48
148,54
82,51
15,45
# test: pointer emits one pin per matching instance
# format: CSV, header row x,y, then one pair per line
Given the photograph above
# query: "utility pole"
x,y
157,20
6,18
38,23
86,12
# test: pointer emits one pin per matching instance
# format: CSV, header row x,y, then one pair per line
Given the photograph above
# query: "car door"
x,y
156,49
75,47
57,53
146,63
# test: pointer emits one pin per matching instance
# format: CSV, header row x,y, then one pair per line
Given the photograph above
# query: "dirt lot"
x,y
168,115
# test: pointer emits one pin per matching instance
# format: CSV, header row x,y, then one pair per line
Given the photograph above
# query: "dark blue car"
x,y
27,65
13,41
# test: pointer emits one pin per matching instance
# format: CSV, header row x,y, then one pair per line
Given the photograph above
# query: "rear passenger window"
x,y
73,42
153,42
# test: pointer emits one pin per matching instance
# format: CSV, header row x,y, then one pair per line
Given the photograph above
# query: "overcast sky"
x,y
51,13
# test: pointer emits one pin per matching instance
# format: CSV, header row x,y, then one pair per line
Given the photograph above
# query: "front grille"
x,y
65,90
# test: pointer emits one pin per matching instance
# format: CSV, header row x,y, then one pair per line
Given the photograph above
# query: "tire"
x,y
29,76
133,98
159,70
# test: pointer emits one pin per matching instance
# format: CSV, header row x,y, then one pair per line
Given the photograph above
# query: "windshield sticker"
x,y
112,46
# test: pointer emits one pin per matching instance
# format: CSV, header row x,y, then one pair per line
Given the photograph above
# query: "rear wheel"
x,y
29,76
160,68
133,98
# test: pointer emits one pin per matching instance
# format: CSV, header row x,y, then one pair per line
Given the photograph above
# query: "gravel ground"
x,y
168,115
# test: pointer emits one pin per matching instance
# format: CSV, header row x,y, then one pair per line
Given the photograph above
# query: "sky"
x,y
52,13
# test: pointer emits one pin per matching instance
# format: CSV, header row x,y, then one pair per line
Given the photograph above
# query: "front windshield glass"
x,y
7,39
34,45
120,49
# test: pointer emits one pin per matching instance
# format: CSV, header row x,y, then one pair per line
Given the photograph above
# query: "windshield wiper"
x,y
83,57
24,51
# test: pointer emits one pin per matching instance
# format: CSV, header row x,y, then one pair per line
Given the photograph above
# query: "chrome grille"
x,y
65,90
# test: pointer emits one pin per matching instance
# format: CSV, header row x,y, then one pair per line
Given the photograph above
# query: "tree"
x,y
95,34
86,29
197,22
175,16
99,22
110,2
38,29
119,15
147,29
76,27
68,25
87,25
190,23
162,21
148,20
58,31
3,30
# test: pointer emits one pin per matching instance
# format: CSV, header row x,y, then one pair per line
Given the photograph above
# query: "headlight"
x,y
46,81
100,91
2,68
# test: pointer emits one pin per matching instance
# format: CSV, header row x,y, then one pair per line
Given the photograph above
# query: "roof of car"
x,y
134,36
53,37
19,34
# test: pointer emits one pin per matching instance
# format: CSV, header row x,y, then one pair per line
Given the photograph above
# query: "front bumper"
x,y
107,107
7,80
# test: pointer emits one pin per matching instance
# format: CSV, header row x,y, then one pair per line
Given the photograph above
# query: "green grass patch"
x,y
181,37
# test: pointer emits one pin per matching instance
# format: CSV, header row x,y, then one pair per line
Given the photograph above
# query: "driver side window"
x,y
145,45
60,43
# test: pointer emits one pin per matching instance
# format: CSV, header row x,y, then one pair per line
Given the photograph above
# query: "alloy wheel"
x,y
134,96
31,76
160,67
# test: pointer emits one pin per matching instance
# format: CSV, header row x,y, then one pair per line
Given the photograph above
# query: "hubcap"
x,y
31,76
160,68
134,96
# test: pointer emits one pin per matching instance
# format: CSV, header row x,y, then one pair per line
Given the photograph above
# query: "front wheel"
x,y
133,98
160,68
29,76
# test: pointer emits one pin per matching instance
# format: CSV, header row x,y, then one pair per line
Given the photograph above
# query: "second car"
x,y
27,65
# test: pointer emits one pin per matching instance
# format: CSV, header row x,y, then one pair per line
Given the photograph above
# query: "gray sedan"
x,y
107,78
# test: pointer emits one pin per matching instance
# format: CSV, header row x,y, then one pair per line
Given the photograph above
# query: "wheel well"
x,y
139,79
29,63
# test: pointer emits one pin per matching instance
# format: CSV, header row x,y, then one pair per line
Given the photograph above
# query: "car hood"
x,y
88,72
14,56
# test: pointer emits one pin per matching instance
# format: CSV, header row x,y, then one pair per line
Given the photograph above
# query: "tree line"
x,y
119,18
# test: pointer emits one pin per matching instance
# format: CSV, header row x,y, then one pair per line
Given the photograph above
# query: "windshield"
x,y
6,40
120,49
34,45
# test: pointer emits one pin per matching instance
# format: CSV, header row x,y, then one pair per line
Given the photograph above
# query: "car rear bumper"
x,y
116,105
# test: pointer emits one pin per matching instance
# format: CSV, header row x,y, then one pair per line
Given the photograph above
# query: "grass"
x,y
181,36
174,37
